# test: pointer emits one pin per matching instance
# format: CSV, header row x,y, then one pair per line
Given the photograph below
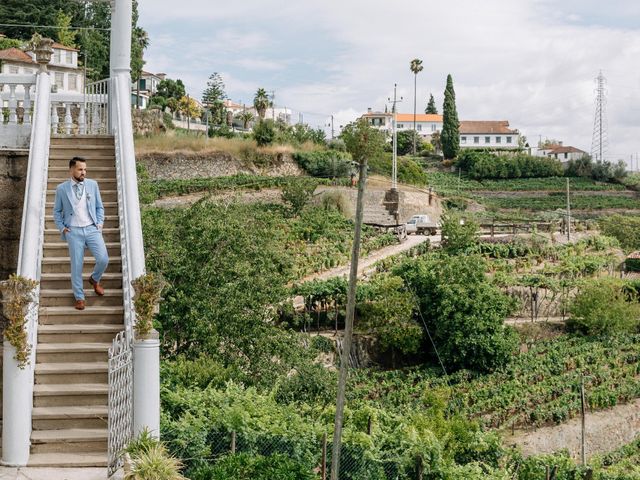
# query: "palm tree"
x,y
261,102
416,67
245,117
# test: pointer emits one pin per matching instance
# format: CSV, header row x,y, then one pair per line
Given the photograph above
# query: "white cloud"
x,y
531,62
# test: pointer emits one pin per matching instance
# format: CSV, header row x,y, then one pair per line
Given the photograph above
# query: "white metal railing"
x,y
82,113
120,419
16,109
18,383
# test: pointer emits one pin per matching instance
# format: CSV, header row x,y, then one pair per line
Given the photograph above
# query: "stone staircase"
x,y
71,385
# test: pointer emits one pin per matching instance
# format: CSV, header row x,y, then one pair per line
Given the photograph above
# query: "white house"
x,y
65,74
561,152
488,134
426,124
146,86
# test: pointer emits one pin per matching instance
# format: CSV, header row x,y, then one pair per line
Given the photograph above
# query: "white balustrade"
x,y
16,105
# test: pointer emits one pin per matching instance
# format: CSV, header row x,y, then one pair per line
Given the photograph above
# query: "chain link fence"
x,y
356,463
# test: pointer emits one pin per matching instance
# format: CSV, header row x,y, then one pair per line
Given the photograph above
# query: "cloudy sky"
x,y
532,62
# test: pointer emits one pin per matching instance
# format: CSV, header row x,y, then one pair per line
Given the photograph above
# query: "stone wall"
x,y
147,122
13,172
181,165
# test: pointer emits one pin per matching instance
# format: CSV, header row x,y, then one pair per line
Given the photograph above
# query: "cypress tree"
x,y
431,106
450,125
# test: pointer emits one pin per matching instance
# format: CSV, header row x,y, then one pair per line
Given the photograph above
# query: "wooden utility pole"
x,y
582,408
348,329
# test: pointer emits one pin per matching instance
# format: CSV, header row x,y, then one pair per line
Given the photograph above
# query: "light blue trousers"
x,y
79,238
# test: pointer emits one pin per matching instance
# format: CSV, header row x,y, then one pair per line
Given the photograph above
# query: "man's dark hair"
x,y
74,160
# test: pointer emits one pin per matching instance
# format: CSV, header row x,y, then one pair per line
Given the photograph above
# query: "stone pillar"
x,y
146,384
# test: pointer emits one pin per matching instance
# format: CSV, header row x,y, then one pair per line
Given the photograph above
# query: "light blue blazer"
x,y
63,205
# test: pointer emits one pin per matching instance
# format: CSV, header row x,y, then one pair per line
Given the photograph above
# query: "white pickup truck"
x,y
421,225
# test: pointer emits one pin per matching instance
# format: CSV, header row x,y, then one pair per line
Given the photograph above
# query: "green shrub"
x,y
325,163
483,164
264,133
602,307
625,229
154,464
459,232
310,383
409,171
245,466
297,195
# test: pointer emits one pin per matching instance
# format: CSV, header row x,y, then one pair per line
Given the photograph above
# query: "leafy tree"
x,y
406,141
264,132
10,43
188,107
388,314
261,102
140,42
362,141
431,106
603,307
464,312
458,232
34,12
214,96
625,229
65,35
450,125
436,141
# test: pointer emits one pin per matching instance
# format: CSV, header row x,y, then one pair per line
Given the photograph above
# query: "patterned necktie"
x,y
79,188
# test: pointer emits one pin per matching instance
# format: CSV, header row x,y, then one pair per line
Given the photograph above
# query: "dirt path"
x,y
366,265
605,430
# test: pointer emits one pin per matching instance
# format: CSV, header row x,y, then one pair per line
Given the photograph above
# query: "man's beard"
x,y
78,179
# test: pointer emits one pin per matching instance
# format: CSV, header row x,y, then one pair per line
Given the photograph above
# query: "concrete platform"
x,y
27,473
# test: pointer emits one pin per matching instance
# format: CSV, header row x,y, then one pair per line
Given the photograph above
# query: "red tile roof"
x,y
15,55
420,117
634,255
480,127
64,47
562,149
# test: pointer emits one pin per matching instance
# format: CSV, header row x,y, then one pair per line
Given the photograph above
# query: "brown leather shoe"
x,y
96,287
79,304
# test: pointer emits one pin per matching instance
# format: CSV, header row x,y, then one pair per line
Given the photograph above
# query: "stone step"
x,y
62,281
64,298
110,221
63,265
78,333
71,395
68,460
95,172
62,161
70,440
72,352
109,235
92,314
71,373
61,249
74,149
104,184
106,195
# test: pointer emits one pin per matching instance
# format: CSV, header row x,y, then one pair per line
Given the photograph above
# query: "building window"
x,y
487,139
508,139
433,127
476,139
419,127
73,82
566,155
13,69
69,57
400,125
498,139
463,139
56,56
59,80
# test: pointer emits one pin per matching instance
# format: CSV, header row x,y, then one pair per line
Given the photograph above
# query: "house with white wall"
x,y
492,134
64,71
426,124
145,87
564,153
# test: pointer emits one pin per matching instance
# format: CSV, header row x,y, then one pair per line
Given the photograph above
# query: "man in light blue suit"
x,y
79,215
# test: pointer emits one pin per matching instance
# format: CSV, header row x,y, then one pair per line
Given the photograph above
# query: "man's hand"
x,y
65,230
99,226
